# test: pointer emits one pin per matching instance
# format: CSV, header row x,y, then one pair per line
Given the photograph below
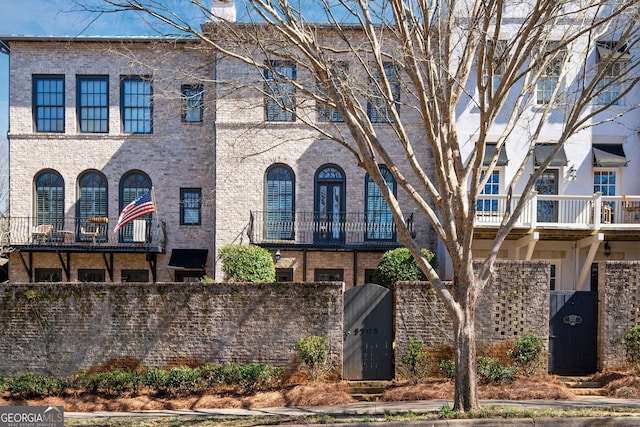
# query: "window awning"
x,y
607,54
488,153
188,259
543,151
609,155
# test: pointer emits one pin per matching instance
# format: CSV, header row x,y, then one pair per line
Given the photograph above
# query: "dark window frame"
x,y
377,109
94,116
276,179
190,205
136,108
91,275
125,274
48,107
279,92
192,103
376,209
51,272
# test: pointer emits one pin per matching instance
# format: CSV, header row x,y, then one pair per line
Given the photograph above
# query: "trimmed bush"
x,y
491,371
247,263
399,265
112,383
448,368
631,341
527,354
35,386
314,353
414,360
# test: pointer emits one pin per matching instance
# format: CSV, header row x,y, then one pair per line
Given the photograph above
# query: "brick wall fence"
x,y
62,328
514,303
618,308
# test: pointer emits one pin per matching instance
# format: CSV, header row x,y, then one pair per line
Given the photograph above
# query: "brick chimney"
x,y
223,10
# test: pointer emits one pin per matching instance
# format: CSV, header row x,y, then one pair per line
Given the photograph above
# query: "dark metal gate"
x,y
573,329
368,333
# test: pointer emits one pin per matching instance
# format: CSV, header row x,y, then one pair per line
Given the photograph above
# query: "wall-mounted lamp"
x,y
573,173
607,249
278,256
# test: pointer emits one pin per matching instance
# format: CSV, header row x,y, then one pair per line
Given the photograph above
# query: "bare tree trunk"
x,y
466,390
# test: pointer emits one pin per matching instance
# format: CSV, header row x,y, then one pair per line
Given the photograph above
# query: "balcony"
x,y
92,234
343,230
564,213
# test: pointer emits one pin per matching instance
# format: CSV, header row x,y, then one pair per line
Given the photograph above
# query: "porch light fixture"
x,y
573,173
278,256
607,249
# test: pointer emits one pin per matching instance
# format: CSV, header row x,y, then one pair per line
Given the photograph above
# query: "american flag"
x,y
141,206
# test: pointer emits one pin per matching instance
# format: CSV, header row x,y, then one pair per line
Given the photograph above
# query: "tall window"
x,y
604,181
48,103
135,104
132,185
550,77
190,206
93,103
279,203
378,215
329,205
612,58
49,203
378,106
327,113
485,205
92,192
192,103
280,99
493,75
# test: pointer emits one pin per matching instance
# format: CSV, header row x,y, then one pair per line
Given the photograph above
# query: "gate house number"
x,y
361,331
572,320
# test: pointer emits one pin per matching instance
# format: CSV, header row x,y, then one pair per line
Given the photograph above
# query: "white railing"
x,y
565,212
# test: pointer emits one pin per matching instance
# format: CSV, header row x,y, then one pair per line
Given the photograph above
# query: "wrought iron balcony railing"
x,y
89,233
312,229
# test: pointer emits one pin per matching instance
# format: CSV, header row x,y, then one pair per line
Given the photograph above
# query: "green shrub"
x,y
35,386
247,263
414,360
491,371
448,368
157,380
112,383
314,353
183,380
527,354
256,376
399,265
631,340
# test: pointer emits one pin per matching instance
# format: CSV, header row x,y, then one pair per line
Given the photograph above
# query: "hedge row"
x,y
176,381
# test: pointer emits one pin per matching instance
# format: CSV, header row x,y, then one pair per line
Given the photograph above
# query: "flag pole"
x,y
153,201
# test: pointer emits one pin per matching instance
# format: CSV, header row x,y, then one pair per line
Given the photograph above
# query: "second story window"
x,y
378,216
280,99
327,113
190,206
486,205
192,103
550,76
135,104
611,58
48,103
93,103
378,105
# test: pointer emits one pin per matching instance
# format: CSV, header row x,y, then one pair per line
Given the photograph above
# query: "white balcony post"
x,y
534,210
597,210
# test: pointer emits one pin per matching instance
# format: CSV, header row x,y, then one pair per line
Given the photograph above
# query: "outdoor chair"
x,y
41,232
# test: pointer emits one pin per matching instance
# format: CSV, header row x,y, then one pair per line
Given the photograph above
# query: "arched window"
x,y
329,201
377,213
132,185
279,201
49,199
92,195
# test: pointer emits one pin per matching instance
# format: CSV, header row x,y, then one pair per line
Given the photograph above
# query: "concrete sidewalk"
x,y
381,408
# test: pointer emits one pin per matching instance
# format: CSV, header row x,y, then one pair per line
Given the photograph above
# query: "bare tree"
x,y
519,64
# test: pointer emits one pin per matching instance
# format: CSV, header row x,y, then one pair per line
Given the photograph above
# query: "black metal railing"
x,y
313,229
91,231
